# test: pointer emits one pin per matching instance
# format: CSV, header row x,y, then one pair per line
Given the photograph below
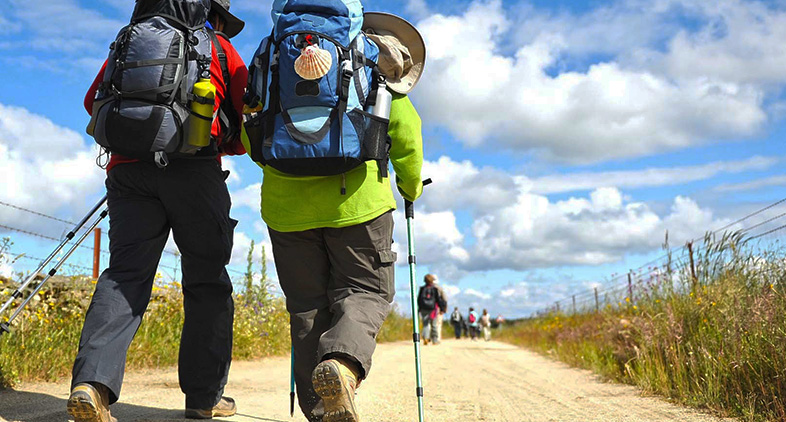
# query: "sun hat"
x,y
233,24
402,49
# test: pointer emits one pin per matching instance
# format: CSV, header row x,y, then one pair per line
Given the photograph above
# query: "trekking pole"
x,y
292,384
409,209
5,327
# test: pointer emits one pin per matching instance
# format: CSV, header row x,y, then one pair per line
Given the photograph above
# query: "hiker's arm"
x,y
91,93
237,87
406,150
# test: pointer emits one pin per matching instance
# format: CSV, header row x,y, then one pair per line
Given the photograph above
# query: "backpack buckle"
x,y
346,69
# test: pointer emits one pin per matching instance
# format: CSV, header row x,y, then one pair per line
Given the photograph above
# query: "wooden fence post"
x,y
96,251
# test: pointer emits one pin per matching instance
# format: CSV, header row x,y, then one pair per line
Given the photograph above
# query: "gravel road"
x,y
463,380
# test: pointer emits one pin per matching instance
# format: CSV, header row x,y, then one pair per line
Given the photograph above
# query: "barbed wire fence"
x,y
170,267
626,288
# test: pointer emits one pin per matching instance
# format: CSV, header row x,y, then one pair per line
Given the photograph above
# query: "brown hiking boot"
x,y
89,404
335,382
226,407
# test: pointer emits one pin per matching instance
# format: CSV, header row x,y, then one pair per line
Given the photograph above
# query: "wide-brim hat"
x,y
386,24
233,24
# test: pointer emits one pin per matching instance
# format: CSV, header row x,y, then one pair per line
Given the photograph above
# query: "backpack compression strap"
x,y
227,115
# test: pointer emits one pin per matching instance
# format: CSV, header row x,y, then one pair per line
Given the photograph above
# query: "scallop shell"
x,y
313,63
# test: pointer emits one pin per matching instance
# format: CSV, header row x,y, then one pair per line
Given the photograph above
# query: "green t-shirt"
x,y
297,203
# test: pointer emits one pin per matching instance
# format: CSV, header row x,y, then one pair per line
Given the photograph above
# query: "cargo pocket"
x,y
228,236
387,286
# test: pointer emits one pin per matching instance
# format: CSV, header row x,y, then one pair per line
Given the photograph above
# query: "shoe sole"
x,y
339,401
83,409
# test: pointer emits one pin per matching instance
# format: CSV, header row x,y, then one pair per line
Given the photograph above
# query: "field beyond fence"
x,y
43,341
707,329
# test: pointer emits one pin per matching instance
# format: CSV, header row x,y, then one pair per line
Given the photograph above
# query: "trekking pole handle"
x,y
409,207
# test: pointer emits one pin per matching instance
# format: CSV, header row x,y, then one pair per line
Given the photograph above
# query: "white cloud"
x,y
418,8
229,163
241,246
753,185
64,26
528,230
44,167
609,111
437,239
249,197
649,177
459,185
741,41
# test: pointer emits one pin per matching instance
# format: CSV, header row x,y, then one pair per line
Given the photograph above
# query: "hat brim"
x,y
233,24
389,24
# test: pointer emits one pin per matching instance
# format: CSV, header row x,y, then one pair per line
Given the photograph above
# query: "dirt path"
x,y
463,380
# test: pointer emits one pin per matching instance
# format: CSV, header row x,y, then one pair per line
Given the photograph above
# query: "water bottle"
x,y
201,121
382,106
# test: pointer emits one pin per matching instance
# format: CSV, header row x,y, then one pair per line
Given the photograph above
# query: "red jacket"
x,y
238,78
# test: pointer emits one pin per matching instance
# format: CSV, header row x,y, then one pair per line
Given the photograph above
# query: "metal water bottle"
x,y
202,113
381,107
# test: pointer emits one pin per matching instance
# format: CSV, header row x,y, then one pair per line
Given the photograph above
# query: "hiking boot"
x,y
335,382
226,407
88,403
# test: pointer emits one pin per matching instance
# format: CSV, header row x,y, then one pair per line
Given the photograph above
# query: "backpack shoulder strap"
x,y
226,111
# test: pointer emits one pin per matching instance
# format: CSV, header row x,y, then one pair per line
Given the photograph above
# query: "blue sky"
x,y
564,137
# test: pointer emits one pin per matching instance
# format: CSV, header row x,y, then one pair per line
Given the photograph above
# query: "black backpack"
x,y
428,297
142,108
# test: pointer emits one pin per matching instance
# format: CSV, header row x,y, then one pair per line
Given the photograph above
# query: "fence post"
x,y
597,305
693,277
557,303
630,288
574,304
96,251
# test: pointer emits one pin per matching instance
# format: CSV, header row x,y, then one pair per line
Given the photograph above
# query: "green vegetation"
x,y
44,338
711,334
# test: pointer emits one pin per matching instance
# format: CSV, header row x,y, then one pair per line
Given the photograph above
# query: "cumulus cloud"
x,y
740,41
483,95
529,230
44,167
248,196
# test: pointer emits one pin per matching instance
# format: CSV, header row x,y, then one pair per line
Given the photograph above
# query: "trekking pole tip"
x,y
292,405
4,328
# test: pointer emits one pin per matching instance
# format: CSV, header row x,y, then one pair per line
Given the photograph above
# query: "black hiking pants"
x,y
190,198
339,285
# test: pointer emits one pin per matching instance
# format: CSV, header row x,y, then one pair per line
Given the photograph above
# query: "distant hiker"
x,y
472,321
441,309
457,321
327,201
159,181
485,325
430,302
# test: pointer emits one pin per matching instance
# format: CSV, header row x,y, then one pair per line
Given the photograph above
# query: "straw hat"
x,y
402,49
233,24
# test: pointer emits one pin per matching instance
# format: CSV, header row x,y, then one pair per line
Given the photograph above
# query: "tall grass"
x,y
712,335
45,336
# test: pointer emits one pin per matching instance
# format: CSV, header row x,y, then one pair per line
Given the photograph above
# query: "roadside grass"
x,y
715,341
44,338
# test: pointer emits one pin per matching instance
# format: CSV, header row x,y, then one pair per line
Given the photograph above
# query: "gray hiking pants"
x,y
429,330
339,285
190,198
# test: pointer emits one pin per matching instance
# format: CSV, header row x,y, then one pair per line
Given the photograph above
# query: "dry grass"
x,y
716,341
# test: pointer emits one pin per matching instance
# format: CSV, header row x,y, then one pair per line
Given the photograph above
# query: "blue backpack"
x,y
308,116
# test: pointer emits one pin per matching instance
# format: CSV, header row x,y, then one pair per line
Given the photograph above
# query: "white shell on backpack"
x,y
313,63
